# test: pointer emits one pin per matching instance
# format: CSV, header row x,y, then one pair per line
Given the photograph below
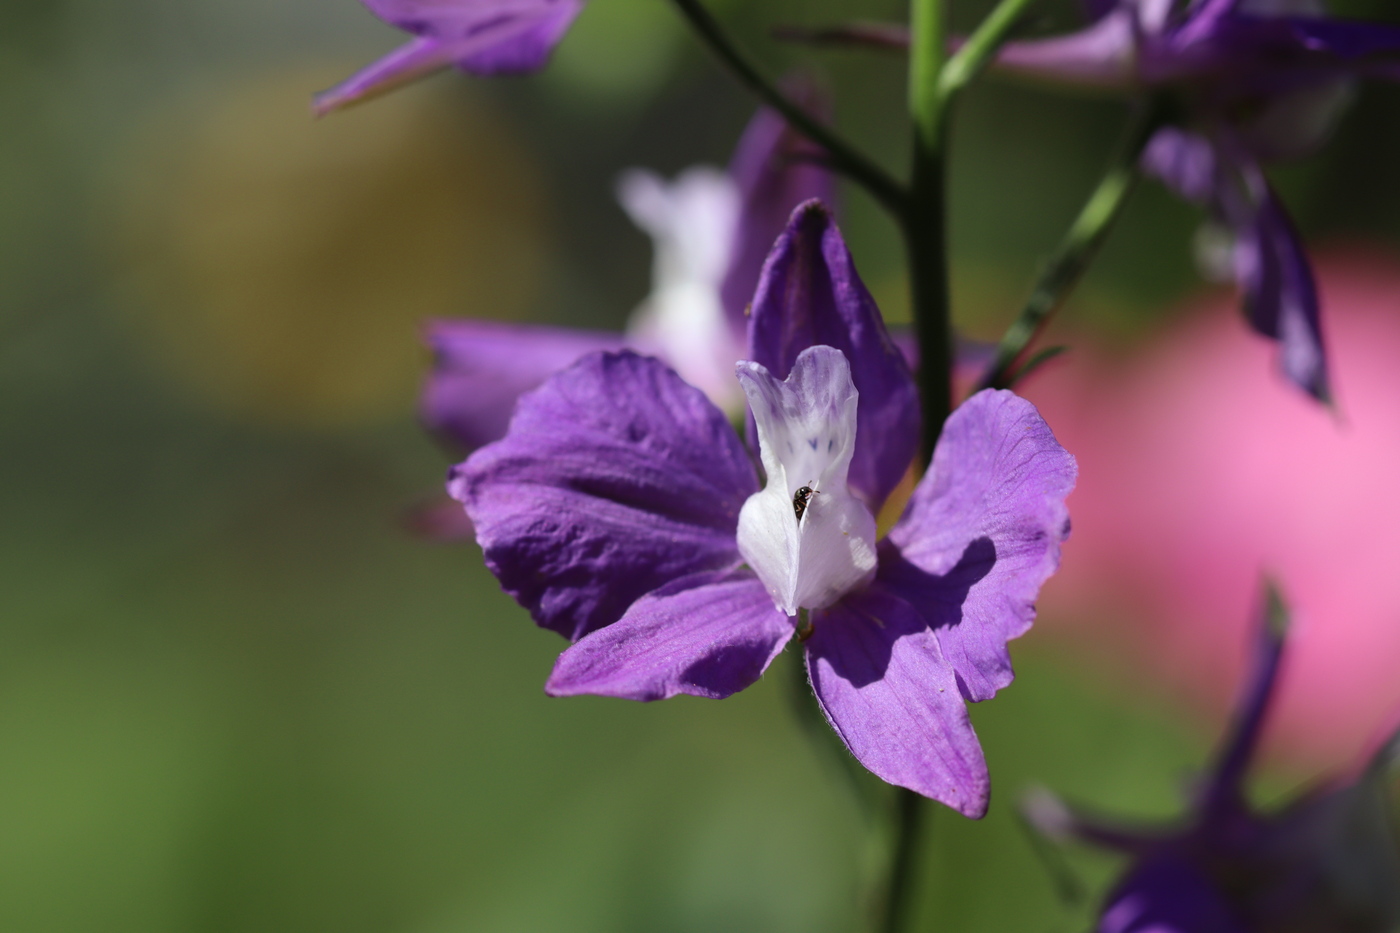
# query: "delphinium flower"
x,y
485,37
1244,82
625,513
711,232
1328,861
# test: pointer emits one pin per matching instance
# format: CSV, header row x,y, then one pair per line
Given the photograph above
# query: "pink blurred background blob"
x,y
1200,469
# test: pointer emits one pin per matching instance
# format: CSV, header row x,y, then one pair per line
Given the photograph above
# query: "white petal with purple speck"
x,y
806,431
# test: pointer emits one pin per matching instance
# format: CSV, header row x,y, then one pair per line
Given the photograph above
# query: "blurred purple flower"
x,y
485,37
1249,81
711,232
1327,862
625,513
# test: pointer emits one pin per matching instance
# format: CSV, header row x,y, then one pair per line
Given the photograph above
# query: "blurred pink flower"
x,y
1199,472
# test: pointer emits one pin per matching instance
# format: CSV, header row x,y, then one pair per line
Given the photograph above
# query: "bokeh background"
x,y
236,694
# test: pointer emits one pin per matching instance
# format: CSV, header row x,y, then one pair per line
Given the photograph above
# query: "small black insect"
x,y
801,498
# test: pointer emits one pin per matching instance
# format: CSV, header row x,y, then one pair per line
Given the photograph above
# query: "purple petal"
x,y
528,50
1224,793
810,295
1168,894
416,59
708,635
982,533
1102,55
776,169
456,20
615,478
1280,295
486,37
482,367
888,692
1270,264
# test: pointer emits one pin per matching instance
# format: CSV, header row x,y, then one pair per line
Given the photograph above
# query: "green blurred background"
x,y
236,695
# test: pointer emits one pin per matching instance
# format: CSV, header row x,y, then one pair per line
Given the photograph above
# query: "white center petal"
x,y
806,436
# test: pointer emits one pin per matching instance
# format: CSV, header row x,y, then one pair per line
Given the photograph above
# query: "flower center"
x,y
806,536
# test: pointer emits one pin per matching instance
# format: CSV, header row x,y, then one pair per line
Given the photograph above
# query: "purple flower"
x,y
623,511
711,232
1328,861
485,37
1250,81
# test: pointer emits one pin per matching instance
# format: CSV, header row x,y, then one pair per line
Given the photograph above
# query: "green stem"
x,y
1079,247
909,825
924,219
976,53
844,158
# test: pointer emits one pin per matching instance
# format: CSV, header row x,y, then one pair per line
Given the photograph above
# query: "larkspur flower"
x,y
624,512
485,37
1249,81
1328,861
712,232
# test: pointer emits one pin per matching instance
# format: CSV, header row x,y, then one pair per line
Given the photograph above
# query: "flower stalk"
x,y
1079,247
924,219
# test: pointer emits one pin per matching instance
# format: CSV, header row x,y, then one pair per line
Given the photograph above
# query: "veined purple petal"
x,y
481,367
982,533
707,634
486,37
810,294
1168,894
615,478
776,169
1279,292
888,692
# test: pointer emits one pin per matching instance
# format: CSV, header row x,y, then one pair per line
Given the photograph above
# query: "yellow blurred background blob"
x,y
281,265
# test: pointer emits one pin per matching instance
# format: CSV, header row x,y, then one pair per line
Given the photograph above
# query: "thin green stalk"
x,y
844,158
910,817
1079,247
924,220
977,52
